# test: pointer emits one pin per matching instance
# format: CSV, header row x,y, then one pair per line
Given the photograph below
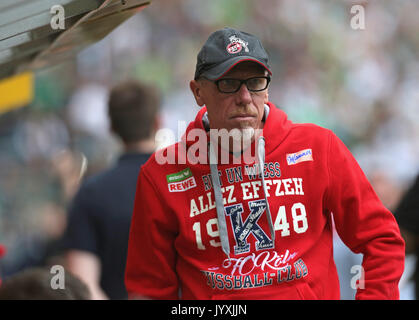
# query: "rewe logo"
x,y
242,230
181,181
183,185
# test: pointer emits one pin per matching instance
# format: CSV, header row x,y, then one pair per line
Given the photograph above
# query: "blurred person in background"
x,y
36,284
96,239
407,214
40,245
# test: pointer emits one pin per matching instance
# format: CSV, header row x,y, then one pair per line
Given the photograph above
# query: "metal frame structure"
x,y
28,41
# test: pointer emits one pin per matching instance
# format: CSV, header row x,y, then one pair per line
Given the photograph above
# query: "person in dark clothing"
x,y
96,239
407,215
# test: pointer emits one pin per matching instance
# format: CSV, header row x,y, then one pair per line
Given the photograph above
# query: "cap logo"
x,y
236,45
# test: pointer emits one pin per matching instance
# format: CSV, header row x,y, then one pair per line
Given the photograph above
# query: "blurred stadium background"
x,y
363,84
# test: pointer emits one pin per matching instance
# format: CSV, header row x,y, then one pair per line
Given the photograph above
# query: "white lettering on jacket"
x,y
263,261
249,191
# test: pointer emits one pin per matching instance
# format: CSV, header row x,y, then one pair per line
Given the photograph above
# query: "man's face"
x,y
240,110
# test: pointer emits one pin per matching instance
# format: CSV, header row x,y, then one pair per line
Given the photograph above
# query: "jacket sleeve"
x,y
364,224
150,267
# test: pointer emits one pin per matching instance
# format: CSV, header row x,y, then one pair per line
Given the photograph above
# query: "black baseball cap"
x,y
226,48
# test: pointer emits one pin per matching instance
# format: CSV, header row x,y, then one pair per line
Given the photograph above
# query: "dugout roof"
x,y
28,42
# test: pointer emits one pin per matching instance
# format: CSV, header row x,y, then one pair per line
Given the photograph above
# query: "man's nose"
x,y
243,95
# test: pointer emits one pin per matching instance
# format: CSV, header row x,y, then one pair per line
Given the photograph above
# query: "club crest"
x,y
236,45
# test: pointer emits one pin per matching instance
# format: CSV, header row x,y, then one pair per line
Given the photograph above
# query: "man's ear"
x,y
196,88
266,100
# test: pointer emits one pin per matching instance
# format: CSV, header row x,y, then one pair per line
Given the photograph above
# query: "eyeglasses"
x,y
254,84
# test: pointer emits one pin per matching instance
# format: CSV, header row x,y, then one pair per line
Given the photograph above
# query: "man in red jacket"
x,y
242,206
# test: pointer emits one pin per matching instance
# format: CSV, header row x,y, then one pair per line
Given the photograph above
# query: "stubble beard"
x,y
241,138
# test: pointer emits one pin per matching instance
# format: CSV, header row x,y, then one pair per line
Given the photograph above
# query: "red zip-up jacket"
x,y
177,249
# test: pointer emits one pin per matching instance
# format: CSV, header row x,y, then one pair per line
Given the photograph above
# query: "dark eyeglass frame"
x,y
245,81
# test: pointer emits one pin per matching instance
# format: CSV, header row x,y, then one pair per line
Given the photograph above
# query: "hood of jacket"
x,y
276,128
